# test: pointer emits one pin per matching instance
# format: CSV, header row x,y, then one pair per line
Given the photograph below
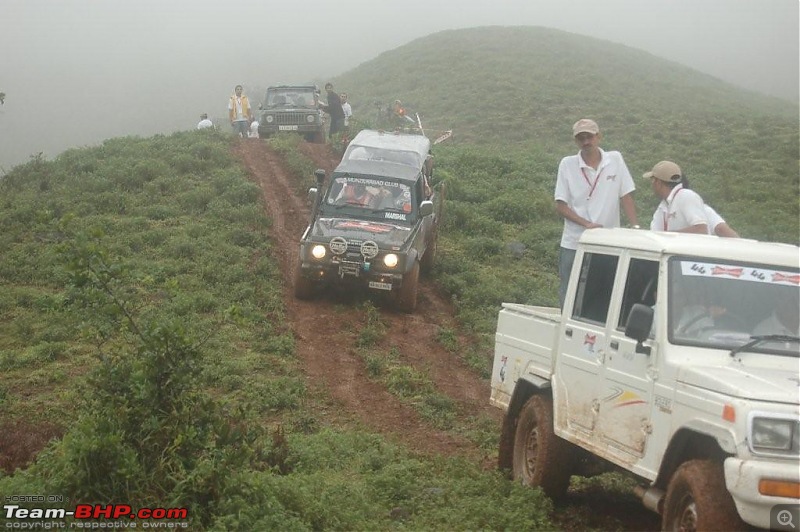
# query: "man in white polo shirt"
x,y
590,188
681,209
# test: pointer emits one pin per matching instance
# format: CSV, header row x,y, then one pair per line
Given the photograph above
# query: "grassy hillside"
x,y
141,317
145,258
518,90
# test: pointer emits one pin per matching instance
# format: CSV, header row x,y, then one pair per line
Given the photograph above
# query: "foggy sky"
x,y
76,72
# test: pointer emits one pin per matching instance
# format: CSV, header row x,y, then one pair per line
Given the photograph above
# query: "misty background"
x,y
76,72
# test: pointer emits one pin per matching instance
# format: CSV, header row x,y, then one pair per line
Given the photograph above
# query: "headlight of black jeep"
x,y
770,435
310,119
318,251
270,119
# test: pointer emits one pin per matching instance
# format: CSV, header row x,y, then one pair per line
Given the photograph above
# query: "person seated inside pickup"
x,y
785,317
701,309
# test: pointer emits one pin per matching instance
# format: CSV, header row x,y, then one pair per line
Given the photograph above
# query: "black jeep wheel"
x,y
698,500
407,296
428,258
540,457
303,286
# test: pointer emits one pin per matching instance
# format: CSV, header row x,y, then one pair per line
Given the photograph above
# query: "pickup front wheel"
x,y
540,457
698,500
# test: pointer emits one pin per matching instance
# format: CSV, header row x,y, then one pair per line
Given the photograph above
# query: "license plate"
x,y
380,286
287,128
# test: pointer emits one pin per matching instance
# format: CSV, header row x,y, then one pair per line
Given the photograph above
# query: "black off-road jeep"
x,y
292,108
374,223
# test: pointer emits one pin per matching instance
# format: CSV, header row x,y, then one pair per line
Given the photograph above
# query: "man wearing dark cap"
x,y
681,209
590,188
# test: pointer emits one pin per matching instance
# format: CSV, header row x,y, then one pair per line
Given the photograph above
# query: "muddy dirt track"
x,y
327,328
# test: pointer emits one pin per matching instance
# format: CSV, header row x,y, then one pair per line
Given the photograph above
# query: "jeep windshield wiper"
x,y
756,340
348,204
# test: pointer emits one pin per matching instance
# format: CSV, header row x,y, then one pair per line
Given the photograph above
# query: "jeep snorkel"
x,y
315,193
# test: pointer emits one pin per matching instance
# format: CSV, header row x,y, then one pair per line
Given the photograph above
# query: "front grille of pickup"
x,y
290,119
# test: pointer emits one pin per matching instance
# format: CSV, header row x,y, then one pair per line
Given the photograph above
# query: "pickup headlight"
x,y
775,435
318,251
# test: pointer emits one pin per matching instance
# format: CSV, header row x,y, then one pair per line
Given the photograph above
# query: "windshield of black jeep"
x,y
290,98
727,305
371,197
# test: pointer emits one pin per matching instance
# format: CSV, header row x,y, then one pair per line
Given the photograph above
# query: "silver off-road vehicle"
x,y
374,223
292,108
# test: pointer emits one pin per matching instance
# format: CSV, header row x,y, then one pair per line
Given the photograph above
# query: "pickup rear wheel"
x,y
407,296
540,457
698,500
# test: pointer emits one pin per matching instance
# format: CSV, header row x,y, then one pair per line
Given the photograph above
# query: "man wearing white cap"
x,y
681,209
590,188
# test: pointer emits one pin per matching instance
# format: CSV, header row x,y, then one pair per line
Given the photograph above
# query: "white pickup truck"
x,y
677,359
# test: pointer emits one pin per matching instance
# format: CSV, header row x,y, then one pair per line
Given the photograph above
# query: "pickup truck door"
x,y
582,344
628,377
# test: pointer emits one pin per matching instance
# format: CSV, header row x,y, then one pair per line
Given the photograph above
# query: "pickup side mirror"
x,y
640,321
312,195
426,208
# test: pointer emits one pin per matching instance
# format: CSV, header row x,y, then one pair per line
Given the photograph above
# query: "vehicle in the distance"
x,y
677,359
374,223
293,109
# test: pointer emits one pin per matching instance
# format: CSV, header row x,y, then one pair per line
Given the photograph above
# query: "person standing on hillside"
x,y
590,187
681,209
253,132
346,109
204,122
334,110
239,112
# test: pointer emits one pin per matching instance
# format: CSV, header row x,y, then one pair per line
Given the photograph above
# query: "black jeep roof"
x,y
378,169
